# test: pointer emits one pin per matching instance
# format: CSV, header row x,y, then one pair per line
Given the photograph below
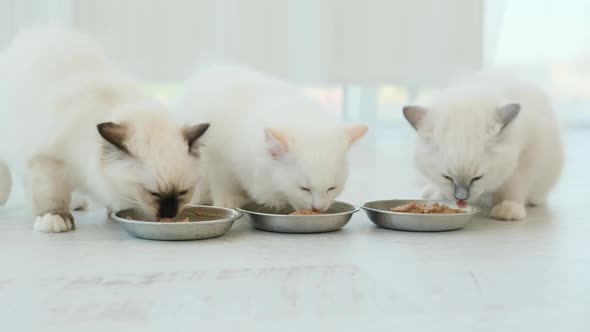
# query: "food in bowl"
x,y
166,220
435,208
172,220
304,213
186,219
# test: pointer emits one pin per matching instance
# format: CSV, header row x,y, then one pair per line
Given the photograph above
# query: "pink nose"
x,y
316,209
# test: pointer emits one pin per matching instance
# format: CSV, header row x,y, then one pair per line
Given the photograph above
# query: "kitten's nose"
x,y
461,193
168,207
316,208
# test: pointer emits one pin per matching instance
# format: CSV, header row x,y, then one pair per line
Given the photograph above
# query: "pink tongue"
x,y
461,204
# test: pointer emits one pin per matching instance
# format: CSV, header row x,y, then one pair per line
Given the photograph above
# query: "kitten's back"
x,y
44,56
223,92
55,77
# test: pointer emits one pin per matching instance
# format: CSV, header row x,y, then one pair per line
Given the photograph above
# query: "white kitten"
x,y
489,134
271,144
73,122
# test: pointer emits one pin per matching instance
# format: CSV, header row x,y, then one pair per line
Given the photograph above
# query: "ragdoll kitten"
x,y
73,122
489,134
271,144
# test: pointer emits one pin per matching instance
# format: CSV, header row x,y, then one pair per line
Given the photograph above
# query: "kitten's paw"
x,y
431,192
54,222
508,210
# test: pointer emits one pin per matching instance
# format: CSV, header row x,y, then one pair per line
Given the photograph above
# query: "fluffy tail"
x,y
5,183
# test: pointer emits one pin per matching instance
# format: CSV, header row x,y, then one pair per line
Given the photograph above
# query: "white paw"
x,y
54,223
431,192
508,210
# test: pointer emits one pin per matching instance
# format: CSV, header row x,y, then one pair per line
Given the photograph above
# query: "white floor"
x,y
532,275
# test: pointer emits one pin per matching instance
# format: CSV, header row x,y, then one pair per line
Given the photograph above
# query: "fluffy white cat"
x,y
73,122
271,143
489,134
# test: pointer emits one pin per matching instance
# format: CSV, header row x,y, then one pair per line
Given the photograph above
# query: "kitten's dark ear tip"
x,y
114,134
103,127
507,113
192,133
414,114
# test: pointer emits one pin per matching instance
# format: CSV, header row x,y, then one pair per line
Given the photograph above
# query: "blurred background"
x,y
363,58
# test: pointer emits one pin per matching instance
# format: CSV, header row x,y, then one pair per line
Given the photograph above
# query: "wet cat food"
x,y
166,219
435,208
304,213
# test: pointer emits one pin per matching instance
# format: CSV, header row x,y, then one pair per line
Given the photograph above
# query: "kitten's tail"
x,y
5,183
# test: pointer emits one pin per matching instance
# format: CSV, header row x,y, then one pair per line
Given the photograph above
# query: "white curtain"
x,y
547,42
310,41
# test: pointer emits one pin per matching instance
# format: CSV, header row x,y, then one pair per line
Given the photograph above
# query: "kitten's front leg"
x,y
227,193
229,200
50,193
202,195
224,188
509,200
431,191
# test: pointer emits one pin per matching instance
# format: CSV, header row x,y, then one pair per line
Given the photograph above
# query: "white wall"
x,y
313,41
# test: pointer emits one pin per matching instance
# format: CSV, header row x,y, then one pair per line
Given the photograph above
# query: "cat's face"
x,y
462,150
151,162
311,170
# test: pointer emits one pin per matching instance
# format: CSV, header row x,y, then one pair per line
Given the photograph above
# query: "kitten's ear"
x,y
505,115
277,143
414,115
355,132
192,134
115,134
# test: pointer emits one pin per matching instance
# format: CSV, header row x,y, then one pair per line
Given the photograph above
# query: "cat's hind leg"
x,y
540,190
50,193
535,200
79,202
509,201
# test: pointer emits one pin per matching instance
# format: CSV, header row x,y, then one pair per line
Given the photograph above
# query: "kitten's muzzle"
x,y
461,192
168,206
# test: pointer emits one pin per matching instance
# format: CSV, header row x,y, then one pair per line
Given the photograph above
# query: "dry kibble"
x,y
435,208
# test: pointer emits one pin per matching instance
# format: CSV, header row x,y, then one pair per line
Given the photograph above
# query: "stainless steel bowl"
x,y
279,221
200,226
381,215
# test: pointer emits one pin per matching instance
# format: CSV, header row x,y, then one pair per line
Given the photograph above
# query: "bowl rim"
x,y
235,216
430,215
354,209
